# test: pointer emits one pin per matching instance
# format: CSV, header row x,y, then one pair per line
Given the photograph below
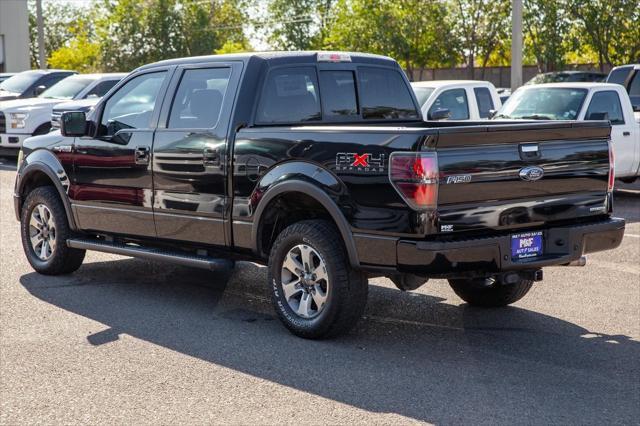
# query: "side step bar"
x,y
194,261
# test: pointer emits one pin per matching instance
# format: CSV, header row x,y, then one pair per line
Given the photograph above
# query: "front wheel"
x,y
315,292
488,292
45,230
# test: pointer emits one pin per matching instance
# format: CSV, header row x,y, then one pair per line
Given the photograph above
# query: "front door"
x,y
111,188
189,154
606,105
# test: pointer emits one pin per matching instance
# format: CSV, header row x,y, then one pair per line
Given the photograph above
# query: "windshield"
x,y
20,82
544,103
67,88
423,93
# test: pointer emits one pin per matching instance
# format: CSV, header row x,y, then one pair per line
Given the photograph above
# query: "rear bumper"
x,y
562,245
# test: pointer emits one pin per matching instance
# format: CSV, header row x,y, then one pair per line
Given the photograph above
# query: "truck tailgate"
x,y
514,176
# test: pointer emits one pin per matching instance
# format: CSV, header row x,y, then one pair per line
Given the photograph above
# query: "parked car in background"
x,y
629,77
568,77
22,118
456,99
5,75
583,102
503,93
29,84
83,105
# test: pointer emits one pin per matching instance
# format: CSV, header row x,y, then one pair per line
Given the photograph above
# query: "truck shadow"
x,y
411,355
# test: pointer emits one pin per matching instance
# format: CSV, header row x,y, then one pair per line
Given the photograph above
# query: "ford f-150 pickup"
x,y
319,165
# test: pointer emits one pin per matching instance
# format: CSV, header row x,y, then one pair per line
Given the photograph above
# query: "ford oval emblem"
x,y
531,173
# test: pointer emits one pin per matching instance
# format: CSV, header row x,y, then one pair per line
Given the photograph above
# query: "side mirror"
x,y
440,114
636,108
492,113
73,123
598,116
38,90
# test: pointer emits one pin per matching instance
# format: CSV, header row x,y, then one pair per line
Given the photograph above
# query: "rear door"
x,y
189,153
112,180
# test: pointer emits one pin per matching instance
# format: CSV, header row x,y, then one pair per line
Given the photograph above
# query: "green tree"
x,y
547,31
481,27
136,32
80,54
416,32
297,24
611,28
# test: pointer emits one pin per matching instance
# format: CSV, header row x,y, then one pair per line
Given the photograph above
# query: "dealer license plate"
x,y
524,246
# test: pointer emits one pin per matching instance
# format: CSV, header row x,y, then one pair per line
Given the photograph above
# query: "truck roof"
x,y
575,85
446,83
276,57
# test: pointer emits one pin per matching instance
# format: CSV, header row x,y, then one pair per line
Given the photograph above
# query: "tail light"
x,y
612,168
415,176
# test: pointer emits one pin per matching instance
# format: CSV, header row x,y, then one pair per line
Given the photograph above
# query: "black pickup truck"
x,y
319,165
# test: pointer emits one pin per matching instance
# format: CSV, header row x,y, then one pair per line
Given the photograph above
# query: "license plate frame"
x,y
527,245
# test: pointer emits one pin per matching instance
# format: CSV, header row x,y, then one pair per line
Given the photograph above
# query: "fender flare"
x,y
320,196
38,165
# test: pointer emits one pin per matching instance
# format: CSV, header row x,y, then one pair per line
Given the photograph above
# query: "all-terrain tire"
x,y
347,295
488,293
63,259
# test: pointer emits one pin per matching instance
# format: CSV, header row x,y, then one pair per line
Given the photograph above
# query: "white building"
x,y
14,36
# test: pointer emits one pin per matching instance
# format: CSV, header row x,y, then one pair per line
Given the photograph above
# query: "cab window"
x,y
385,95
338,89
485,103
101,89
198,101
290,95
132,106
607,103
455,100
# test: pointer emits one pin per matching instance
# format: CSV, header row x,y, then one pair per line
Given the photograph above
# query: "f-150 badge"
x,y
366,162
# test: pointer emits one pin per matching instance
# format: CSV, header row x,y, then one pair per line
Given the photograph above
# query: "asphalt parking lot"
x,y
128,341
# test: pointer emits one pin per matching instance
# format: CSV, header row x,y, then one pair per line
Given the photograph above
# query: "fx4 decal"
x,y
352,161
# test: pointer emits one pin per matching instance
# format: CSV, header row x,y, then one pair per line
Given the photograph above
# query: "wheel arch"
x,y
39,169
311,191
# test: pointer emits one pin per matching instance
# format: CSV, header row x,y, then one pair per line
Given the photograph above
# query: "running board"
x,y
203,262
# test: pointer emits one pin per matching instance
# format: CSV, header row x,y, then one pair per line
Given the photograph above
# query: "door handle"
x,y
211,157
626,133
142,154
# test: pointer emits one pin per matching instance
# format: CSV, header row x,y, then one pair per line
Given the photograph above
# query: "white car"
x,y
581,102
456,99
22,118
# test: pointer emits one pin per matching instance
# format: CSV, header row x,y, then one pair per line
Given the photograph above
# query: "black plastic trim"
x,y
320,196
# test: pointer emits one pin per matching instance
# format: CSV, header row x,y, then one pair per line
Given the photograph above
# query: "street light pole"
x,y
516,44
41,50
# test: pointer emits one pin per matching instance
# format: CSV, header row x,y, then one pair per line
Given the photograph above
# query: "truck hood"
x,y
6,96
44,141
79,105
27,105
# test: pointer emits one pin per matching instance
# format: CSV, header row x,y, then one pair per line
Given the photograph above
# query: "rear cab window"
x,y
347,93
485,103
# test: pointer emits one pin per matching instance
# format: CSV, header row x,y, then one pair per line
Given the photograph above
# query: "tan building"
x,y
14,36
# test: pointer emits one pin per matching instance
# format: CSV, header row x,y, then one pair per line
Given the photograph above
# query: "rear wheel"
x,y
44,232
315,291
488,292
